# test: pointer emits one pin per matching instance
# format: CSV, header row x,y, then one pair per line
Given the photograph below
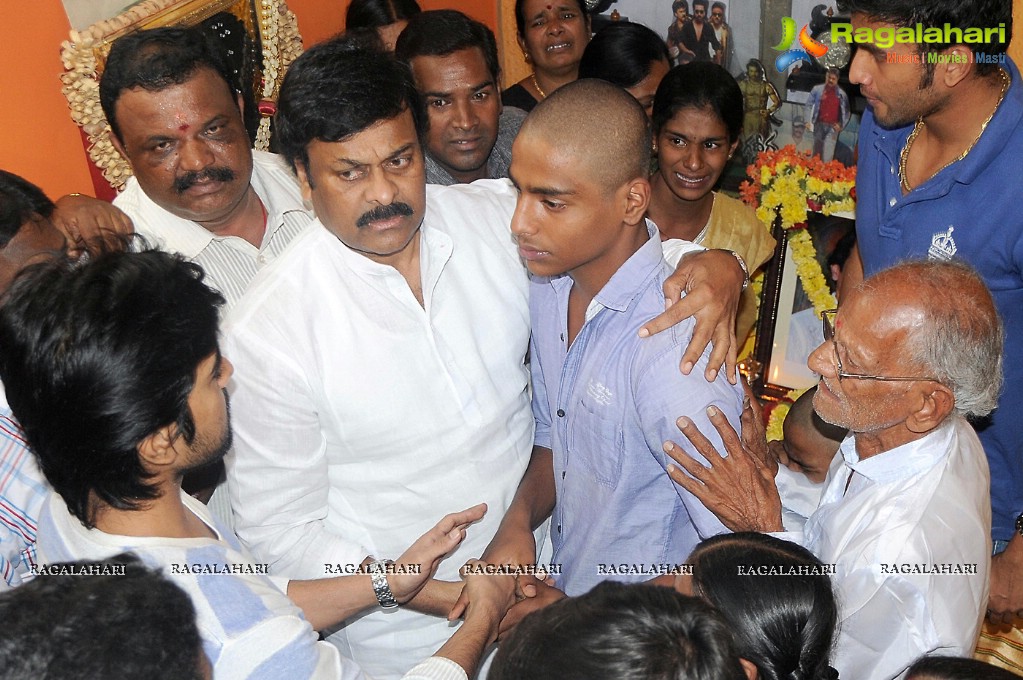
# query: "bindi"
x,y
183,127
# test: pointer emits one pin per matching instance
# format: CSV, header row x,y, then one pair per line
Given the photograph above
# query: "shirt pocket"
x,y
596,446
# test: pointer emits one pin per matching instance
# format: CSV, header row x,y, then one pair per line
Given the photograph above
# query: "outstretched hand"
x,y
712,281
739,488
417,564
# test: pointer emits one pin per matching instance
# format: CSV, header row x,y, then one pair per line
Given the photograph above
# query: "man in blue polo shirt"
x,y
940,150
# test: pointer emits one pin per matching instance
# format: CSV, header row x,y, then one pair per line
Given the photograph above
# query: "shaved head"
x,y
599,124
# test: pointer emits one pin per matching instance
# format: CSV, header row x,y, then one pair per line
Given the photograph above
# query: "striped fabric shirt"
x,y
230,262
22,493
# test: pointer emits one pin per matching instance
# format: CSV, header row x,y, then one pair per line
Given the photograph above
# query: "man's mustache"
x,y
384,212
184,182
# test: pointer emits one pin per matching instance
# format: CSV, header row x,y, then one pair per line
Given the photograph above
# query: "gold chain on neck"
x,y
543,95
904,156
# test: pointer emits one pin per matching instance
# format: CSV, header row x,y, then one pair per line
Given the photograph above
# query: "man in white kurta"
x,y
905,515
359,414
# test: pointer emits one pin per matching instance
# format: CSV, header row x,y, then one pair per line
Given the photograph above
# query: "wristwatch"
x,y
378,576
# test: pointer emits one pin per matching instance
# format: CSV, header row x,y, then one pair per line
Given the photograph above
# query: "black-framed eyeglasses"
x,y
828,319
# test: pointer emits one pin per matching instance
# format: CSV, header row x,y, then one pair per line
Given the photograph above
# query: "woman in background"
x,y
387,18
630,56
777,598
697,120
552,35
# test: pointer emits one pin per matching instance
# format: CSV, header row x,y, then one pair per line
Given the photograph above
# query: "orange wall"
x,y
38,140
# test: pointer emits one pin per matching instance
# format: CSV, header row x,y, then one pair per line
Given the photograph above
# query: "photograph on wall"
x,y
724,31
802,127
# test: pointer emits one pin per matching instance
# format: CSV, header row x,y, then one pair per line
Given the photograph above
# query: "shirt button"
x,y
262,259
561,413
893,169
892,202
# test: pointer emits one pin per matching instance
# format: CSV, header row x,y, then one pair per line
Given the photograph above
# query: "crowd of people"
x,y
446,387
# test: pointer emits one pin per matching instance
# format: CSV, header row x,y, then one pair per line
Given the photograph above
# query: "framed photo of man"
x,y
789,327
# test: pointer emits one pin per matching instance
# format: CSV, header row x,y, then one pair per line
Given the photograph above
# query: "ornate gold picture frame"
x,y
269,23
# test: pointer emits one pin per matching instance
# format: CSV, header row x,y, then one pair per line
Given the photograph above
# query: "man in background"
x,y
454,62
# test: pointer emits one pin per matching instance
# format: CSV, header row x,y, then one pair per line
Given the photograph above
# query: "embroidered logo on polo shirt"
x,y
598,393
943,246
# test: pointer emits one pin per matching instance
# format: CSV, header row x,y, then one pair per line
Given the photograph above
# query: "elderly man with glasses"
x,y
905,517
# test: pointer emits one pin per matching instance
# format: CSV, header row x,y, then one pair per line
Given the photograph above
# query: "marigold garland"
x,y
788,184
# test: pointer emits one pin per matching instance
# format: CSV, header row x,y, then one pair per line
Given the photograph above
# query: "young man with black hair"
x,y
112,618
114,371
454,62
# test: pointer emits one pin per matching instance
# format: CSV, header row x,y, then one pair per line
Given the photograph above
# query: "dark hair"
x,y
337,89
96,357
784,625
955,668
520,14
699,84
703,3
718,5
441,32
620,632
961,14
20,201
622,53
155,60
680,3
122,620
376,13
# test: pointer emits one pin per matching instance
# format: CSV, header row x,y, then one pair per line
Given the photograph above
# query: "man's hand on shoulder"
x,y
713,281
83,219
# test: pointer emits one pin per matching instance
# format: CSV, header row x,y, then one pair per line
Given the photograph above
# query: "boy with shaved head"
x,y
604,400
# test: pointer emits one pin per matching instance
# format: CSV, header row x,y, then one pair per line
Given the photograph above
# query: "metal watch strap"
x,y
378,576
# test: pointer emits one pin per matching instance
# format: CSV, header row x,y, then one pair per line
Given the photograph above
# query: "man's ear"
x,y
959,66
241,104
120,147
938,401
303,181
637,200
157,450
749,669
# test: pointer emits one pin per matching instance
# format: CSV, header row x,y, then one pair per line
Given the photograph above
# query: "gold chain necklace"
x,y
904,156
543,95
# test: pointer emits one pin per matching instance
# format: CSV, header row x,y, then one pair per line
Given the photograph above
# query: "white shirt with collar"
x,y
361,417
230,262
909,533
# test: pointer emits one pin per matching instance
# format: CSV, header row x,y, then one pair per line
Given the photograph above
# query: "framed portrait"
x,y
789,328
258,40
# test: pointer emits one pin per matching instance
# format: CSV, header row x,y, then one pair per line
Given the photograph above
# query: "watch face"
x,y
838,53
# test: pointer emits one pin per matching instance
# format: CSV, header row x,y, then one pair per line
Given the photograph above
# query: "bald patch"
x,y
600,125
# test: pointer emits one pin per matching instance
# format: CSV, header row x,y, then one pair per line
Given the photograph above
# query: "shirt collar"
x,y
626,283
903,461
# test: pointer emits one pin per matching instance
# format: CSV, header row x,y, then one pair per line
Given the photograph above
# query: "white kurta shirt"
x,y
230,262
913,509
361,418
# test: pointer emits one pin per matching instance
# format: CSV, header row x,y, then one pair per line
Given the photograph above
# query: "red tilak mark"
x,y
183,127
550,7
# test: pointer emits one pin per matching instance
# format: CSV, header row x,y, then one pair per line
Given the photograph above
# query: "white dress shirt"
x,y
361,417
230,262
915,508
